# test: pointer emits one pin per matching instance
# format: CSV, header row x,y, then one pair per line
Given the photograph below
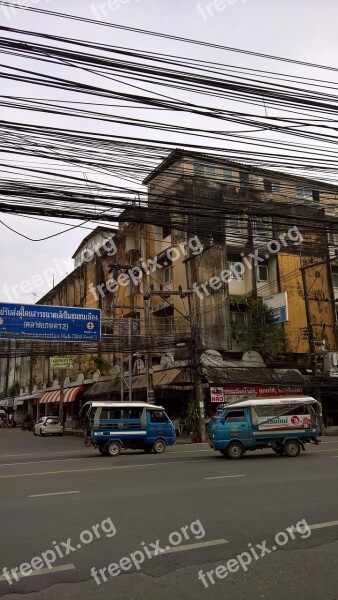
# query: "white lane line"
x,y
320,525
67,452
170,550
69,567
42,462
14,455
53,494
224,476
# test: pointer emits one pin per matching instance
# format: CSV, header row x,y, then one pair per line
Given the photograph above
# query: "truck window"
x,y
233,416
158,416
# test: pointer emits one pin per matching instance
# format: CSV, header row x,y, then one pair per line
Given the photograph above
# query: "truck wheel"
x,y
159,446
114,449
292,448
235,450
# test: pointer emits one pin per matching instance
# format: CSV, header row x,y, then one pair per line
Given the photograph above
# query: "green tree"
x,y
260,333
14,389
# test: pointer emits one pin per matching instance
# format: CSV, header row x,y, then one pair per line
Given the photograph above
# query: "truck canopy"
x,y
282,401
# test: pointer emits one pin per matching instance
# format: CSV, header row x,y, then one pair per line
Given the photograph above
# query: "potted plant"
x,y
192,421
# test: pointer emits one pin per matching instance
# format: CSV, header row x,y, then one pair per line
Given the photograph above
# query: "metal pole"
x,y
62,382
122,376
130,362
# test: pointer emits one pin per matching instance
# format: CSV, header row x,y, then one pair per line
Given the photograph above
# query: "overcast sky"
x,y
300,29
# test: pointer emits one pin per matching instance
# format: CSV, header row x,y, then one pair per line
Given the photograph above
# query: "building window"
x,y
166,231
169,324
227,176
244,179
303,192
232,223
210,172
272,187
235,266
260,226
334,271
199,169
168,274
316,195
275,187
268,185
262,272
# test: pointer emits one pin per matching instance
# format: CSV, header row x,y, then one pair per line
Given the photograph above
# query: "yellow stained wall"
x,y
321,311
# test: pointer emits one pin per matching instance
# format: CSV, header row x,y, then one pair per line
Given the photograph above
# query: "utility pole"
x,y
312,344
130,363
196,354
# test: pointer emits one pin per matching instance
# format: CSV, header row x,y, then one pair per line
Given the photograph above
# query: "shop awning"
x,y
69,395
173,379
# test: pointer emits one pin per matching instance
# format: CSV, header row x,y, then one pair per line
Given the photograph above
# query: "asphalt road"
x,y
205,509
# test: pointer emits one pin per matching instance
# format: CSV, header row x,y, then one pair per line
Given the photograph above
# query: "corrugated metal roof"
x,y
256,375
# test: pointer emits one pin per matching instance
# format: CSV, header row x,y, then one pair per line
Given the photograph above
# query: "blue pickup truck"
x,y
112,426
283,424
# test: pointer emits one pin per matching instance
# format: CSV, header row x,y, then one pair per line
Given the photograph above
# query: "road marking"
x,y
224,476
69,567
169,550
320,525
39,462
332,450
53,494
13,455
67,452
158,464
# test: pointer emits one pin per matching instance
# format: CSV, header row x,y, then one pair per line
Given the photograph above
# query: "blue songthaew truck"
x,y
112,426
283,424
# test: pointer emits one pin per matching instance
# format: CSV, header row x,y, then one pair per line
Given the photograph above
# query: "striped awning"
x,y
69,395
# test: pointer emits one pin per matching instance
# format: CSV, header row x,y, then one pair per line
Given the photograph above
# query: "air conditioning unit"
x,y
331,363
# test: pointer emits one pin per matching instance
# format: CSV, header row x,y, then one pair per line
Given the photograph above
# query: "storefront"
x,y
49,404
234,384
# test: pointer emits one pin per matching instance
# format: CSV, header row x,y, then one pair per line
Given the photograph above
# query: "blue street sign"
x,y
49,323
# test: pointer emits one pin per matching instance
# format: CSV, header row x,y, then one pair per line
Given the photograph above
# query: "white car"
x,y
48,426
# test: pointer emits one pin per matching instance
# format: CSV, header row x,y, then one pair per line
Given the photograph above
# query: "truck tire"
x,y
291,448
235,450
159,446
113,449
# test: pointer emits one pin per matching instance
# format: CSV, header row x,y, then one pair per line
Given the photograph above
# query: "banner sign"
x,y
236,394
49,323
59,362
284,422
